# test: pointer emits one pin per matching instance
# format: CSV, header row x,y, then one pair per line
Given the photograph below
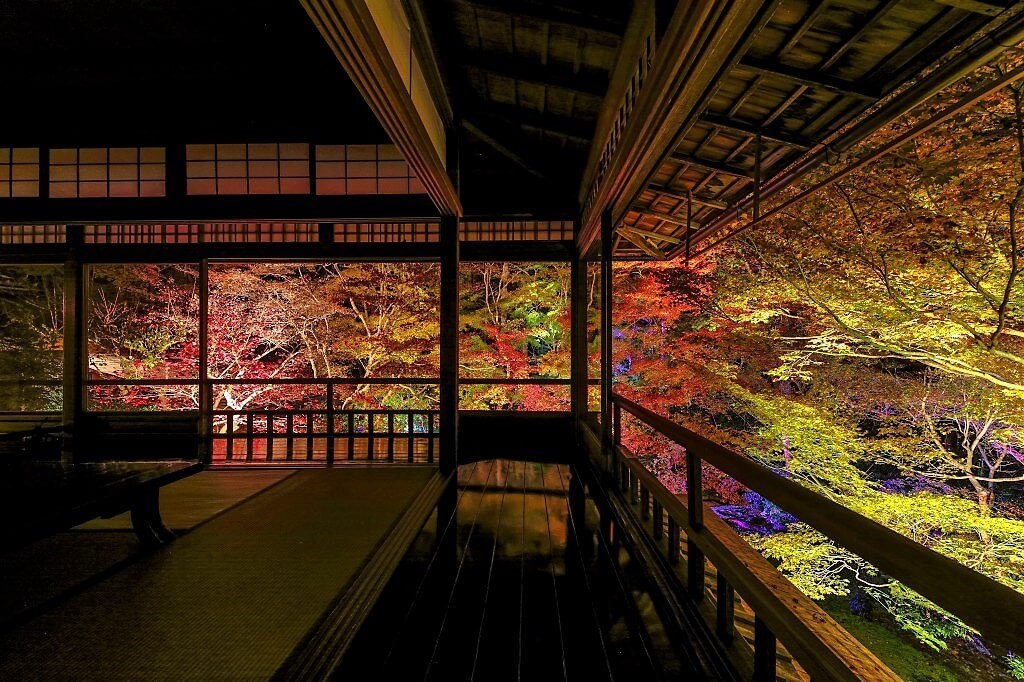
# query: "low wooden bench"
x,y
39,498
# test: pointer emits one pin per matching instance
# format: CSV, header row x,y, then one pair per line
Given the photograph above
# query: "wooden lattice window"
x,y
32,234
515,230
142,234
108,172
364,169
386,232
266,168
19,172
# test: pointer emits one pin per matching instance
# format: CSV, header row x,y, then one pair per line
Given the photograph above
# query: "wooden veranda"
x,y
581,132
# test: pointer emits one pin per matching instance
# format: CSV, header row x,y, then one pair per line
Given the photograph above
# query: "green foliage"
x,y
1015,665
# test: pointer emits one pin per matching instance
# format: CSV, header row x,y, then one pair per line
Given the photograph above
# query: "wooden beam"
x,y
989,9
372,41
553,13
769,134
714,166
502,149
701,41
590,83
641,243
811,79
816,10
667,217
681,195
219,208
567,126
651,234
859,30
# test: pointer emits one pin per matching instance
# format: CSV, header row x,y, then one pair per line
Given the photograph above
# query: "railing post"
x,y
449,394
205,387
330,423
673,540
764,652
725,609
695,514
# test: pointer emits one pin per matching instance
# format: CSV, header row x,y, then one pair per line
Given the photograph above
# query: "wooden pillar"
x,y
449,399
205,386
606,326
75,347
578,337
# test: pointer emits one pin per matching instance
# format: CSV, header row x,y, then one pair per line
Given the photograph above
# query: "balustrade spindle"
x,y
673,540
725,609
765,662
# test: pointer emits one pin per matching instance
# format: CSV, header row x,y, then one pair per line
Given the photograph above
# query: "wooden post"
x,y
606,327
205,387
449,398
75,347
578,338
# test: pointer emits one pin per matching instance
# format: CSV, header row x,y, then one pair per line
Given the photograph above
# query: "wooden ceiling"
x,y
527,79
805,74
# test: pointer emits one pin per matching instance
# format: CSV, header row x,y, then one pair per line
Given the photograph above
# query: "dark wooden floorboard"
x,y
515,588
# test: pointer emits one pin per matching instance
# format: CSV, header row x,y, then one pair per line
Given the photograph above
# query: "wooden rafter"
x,y
713,166
503,149
640,242
769,134
592,84
566,126
681,195
651,234
811,79
552,13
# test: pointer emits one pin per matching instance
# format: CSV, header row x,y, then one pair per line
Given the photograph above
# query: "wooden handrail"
x,y
995,610
815,639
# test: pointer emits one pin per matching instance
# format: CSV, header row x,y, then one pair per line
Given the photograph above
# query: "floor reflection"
x,y
510,581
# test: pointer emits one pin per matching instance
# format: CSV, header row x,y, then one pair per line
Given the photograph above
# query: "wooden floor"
x,y
513,583
228,600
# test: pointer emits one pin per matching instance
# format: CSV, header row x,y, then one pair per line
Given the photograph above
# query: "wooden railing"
x,y
326,430
691,534
326,436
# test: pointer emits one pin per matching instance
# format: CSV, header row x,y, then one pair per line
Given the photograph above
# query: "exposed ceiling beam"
x,y
812,16
667,217
571,127
681,195
989,43
592,84
858,31
553,13
990,9
770,134
503,149
809,78
651,234
701,41
641,243
714,166
377,55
